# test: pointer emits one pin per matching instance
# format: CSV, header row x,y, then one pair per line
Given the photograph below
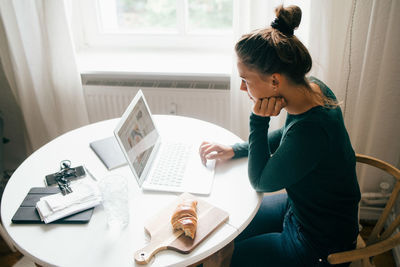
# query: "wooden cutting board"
x,y
164,237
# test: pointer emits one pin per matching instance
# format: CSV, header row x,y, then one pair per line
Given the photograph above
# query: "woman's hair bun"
x,y
287,19
275,49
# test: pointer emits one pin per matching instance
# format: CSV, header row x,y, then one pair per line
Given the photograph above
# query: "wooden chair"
x,y
379,241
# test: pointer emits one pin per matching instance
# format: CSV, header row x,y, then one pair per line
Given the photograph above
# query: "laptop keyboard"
x,y
171,165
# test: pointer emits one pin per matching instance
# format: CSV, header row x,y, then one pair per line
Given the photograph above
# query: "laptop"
x,y
158,164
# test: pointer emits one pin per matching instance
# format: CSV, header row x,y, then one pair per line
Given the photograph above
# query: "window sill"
x,y
154,62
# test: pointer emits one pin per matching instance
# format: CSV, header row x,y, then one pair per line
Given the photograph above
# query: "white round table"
x,y
92,244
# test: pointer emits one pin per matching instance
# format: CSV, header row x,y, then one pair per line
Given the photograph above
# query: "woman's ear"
x,y
276,83
276,79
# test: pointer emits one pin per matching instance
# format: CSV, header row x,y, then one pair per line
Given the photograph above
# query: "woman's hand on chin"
x,y
267,107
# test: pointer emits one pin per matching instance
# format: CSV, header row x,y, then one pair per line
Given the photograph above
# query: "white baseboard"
x,y
370,213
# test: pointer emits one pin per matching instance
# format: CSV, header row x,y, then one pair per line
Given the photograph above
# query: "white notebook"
x,y
109,152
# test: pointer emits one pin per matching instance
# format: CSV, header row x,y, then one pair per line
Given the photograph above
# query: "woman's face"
x,y
256,85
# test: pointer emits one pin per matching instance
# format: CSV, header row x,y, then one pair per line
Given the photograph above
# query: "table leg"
x,y
221,258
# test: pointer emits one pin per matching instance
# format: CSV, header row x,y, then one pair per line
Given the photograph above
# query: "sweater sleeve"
x,y
242,149
298,154
274,138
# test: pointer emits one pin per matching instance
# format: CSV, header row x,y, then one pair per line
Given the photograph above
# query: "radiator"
x,y
209,101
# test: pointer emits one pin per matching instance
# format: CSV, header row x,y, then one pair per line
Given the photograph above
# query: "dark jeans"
x,y
275,238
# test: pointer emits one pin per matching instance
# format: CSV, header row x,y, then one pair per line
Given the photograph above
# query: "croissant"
x,y
185,217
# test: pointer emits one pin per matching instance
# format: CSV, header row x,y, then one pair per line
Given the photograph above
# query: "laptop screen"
x,y
137,134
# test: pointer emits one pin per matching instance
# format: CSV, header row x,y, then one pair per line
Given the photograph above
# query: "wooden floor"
x,y
8,258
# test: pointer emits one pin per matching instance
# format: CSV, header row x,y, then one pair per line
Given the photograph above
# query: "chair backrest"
x,y
377,234
379,241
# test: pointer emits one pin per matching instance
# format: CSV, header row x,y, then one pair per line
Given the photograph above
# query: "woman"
x,y
311,156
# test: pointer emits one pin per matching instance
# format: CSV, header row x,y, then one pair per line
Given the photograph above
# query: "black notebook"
x,y
27,212
109,152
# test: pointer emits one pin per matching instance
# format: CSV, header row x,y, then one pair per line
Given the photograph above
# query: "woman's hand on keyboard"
x,y
209,150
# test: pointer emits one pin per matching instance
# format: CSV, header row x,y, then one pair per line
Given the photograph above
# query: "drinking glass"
x,y
114,189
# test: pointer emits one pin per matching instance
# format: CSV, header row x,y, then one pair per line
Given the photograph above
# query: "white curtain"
x,y
39,61
355,51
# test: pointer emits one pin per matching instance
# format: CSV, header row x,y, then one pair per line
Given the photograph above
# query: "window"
x,y
198,24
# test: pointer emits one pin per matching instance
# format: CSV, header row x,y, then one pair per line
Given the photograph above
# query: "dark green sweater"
x,y
312,158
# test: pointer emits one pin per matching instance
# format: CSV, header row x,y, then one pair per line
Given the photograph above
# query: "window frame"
x,y
87,33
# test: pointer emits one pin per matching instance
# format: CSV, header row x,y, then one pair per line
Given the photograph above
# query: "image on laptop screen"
x,y
138,136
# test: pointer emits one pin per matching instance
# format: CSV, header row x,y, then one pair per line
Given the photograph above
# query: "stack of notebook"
x,y
47,205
